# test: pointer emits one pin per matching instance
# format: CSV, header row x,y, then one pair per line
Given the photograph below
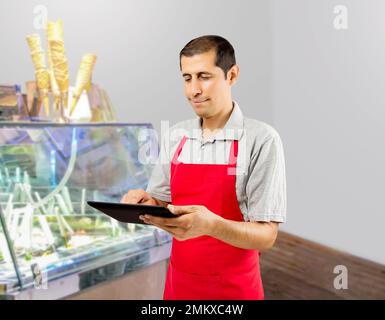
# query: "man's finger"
x,y
162,221
124,199
171,230
180,209
132,197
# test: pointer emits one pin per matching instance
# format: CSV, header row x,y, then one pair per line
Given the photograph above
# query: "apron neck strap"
x,y
233,153
178,150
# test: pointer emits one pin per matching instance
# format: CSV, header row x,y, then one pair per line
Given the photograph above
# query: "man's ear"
x,y
233,74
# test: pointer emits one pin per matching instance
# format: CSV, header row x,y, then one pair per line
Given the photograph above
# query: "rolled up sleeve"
x,y
266,185
159,182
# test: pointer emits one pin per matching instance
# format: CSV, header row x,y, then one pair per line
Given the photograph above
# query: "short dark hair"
x,y
225,56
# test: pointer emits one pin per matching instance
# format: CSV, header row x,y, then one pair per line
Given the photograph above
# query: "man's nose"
x,y
195,88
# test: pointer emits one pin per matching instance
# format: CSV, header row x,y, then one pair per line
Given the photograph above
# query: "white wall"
x,y
329,107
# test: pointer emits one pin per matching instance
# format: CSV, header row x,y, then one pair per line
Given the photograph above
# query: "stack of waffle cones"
x,y
56,78
83,79
58,58
54,86
41,72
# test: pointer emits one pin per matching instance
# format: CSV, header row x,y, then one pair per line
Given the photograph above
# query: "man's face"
x,y
205,85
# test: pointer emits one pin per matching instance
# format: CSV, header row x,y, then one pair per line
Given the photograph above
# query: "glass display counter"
x,y
48,172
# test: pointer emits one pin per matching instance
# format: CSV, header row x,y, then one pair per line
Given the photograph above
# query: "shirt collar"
x,y
233,129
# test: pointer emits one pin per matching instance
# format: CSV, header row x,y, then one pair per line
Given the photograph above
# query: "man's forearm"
x,y
246,235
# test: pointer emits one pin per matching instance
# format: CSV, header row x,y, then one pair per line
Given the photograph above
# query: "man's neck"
x,y
218,121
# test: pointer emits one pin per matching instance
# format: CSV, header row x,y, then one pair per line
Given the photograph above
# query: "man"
x,y
223,176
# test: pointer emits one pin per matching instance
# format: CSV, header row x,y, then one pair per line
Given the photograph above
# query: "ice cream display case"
x,y
48,233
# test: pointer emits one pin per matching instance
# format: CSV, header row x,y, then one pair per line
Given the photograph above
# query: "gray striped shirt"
x,y
260,170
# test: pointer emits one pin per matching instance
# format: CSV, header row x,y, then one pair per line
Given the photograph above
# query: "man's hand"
x,y
195,221
191,221
138,196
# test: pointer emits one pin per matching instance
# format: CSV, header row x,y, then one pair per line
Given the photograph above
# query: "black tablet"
x,y
130,213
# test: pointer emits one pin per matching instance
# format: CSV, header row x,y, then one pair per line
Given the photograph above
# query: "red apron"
x,y
205,268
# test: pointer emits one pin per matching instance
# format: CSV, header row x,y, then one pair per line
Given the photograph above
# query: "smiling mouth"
x,y
198,102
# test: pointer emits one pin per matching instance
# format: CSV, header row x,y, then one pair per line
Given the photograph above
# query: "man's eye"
x,y
205,78
187,80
